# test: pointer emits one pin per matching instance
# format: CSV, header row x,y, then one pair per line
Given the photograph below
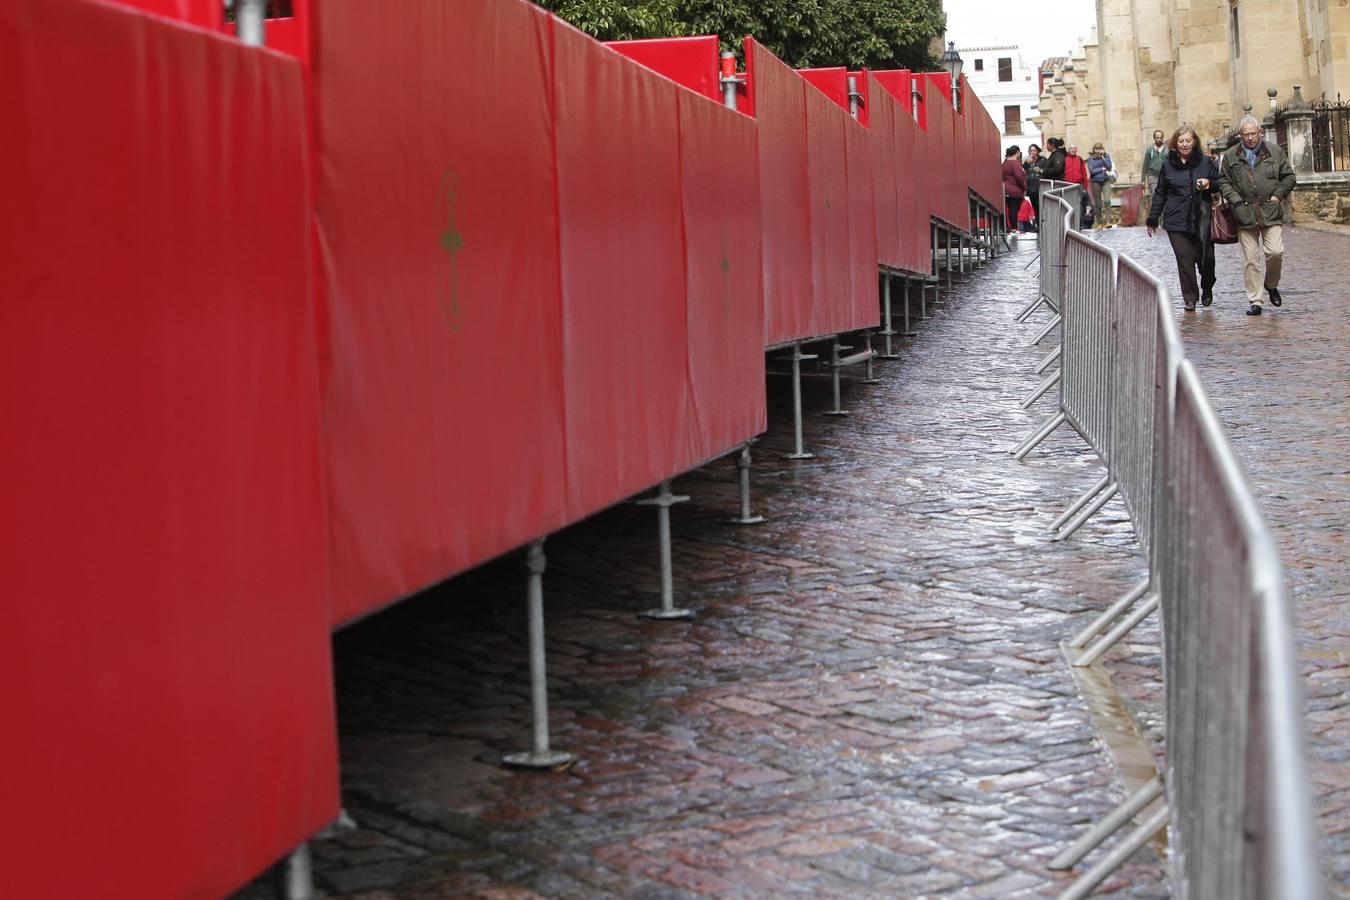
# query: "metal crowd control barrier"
x,y
1236,783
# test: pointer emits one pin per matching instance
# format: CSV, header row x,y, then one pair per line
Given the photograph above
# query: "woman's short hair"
x,y
1184,129
1036,147
1012,151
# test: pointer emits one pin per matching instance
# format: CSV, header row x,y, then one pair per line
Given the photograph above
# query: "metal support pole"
x,y
836,368
663,501
1109,640
1045,332
295,875
888,332
1021,450
1113,860
250,18
908,332
730,80
747,516
854,98
798,357
871,376
961,254
923,297
1092,509
947,258
1113,612
1050,381
1108,826
1049,359
539,755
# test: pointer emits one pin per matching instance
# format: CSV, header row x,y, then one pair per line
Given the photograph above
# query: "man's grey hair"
x,y
1248,120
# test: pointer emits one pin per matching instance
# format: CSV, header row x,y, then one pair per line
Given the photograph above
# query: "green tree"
x,y
880,34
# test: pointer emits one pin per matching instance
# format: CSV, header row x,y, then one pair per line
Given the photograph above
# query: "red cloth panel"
x,y
202,13
828,184
165,654
625,334
719,176
915,185
436,217
887,164
862,227
691,61
832,82
778,98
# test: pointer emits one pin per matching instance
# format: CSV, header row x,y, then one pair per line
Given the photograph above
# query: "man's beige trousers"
x,y
1257,242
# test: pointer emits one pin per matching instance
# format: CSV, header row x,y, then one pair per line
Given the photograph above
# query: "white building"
x,y
1008,88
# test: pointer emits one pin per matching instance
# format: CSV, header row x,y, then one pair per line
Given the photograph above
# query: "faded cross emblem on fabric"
x,y
452,242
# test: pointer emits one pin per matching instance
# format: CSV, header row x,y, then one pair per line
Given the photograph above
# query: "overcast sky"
x,y
1042,28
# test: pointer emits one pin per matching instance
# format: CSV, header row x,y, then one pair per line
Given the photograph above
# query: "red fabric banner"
x,y
170,726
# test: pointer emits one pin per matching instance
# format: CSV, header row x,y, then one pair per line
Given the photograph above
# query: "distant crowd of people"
x,y
1200,199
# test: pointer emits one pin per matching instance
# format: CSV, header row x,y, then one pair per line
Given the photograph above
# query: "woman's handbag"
x,y
1222,226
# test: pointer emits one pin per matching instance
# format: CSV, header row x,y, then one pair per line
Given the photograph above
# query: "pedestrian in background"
x,y
1014,185
1032,167
1181,204
1054,163
1154,157
1075,172
1255,178
1101,171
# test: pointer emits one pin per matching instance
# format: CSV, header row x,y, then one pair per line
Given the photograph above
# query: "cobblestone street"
x,y
871,700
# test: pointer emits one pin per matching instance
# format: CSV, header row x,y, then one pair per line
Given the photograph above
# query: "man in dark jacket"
x,y
1255,178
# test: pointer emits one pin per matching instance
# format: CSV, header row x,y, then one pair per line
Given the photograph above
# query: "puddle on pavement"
x,y
1131,753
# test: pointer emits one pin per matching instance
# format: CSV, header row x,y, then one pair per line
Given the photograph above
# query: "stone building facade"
x,y
1159,63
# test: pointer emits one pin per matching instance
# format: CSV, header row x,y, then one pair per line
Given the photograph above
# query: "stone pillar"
x,y
1298,120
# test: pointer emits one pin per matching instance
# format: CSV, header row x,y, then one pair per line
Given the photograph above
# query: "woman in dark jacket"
x,y
1014,184
1032,167
1181,203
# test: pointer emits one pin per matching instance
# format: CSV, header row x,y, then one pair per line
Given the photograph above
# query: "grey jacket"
x,y
1249,189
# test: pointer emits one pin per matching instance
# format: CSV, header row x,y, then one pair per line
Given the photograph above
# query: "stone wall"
x,y
1322,198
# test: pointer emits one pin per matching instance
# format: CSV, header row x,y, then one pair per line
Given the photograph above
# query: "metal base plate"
x,y
799,456
895,355
836,412
553,760
667,614
753,520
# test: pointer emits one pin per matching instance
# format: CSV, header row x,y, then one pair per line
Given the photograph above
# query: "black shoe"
x,y
1206,298
1255,310
1274,296
1189,305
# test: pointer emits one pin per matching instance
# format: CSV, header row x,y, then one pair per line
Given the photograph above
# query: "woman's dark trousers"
x,y
1192,255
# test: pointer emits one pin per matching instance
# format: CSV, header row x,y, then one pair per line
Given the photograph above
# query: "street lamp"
x,y
952,62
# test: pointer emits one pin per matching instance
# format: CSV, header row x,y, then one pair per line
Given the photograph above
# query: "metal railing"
x,y
1235,781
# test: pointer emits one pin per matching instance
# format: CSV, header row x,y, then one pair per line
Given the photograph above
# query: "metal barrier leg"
x,y
539,755
947,248
295,876
1049,327
747,516
887,331
1108,826
1109,640
1049,359
1113,612
1029,309
798,357
1040,434
1098,873
961,254
1051,380
1092,509
663,502
1080,502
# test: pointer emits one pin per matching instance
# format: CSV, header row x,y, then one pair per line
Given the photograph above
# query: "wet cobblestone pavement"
x,y
871,700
